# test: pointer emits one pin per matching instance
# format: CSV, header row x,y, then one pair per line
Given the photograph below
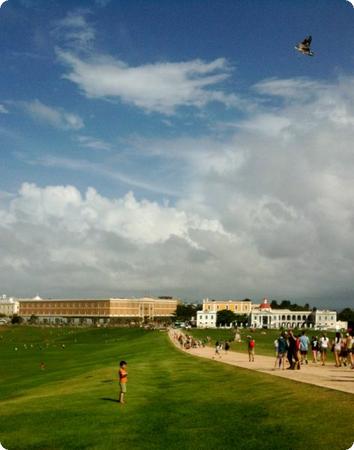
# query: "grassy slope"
x,y
175,401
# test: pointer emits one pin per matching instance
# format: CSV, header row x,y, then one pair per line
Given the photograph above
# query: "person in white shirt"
x,y
324,342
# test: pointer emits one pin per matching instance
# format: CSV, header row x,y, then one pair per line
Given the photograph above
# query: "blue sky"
x,y
178,147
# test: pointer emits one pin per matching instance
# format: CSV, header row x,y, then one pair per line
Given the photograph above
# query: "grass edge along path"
x,y
330,377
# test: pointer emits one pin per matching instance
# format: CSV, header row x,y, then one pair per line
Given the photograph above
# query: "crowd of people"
x,y
295,348
292,350
187,342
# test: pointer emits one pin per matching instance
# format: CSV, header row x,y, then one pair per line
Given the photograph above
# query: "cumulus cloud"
x,y
159,87
267,210
56,117
57,230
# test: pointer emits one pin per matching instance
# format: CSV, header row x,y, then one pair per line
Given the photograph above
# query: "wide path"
x,y
339,378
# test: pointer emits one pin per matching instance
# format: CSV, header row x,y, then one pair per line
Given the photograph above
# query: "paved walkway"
x,y
338,378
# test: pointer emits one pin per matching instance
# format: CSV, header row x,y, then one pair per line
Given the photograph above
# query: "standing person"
x,y
226,347
337,346
276,350
292,353
251,346
324,341
297,353
217,349
123,379
282,347
314,348
350,349
304,347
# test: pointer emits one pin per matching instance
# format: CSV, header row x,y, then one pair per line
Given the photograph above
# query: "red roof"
x,y
265,304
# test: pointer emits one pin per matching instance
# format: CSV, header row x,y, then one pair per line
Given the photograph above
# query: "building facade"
x,y
325,319
64,310
8,306
265,317
206,319
236,306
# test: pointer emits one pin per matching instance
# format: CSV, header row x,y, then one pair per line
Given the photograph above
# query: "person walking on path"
x,y
337,347
251,348
324,342
350,357
123,379
315,349
304,347
293,352
282,348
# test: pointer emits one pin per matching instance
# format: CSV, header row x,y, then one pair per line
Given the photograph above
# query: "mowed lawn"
x,y
174,400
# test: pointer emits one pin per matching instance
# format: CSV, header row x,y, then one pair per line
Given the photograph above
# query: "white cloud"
x,y
3,110
56,117
79,237
93,143
267,209
159,87
73,31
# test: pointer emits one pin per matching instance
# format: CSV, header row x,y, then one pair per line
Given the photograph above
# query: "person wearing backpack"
x,y
251,346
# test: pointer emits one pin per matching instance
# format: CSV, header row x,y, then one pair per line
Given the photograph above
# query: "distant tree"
x,y
347,315
274,304
285,304
186,311
225,317
16,319
33,319
241,319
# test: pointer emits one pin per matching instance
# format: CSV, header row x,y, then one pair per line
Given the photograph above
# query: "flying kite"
x,y
352,3
1,3
304,46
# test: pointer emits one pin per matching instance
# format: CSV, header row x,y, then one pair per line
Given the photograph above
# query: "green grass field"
x,y
174,400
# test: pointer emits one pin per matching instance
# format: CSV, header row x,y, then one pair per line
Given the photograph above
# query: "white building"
x,y
206,319
8,306
341,325
325,319
266,317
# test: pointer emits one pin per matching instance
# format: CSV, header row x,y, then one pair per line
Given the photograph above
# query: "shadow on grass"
x,y
107,381
110,399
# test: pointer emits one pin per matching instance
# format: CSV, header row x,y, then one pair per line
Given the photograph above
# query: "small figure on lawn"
x,y
123,379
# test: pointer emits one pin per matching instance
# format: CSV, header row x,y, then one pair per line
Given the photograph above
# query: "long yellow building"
x,y
141,308
236,306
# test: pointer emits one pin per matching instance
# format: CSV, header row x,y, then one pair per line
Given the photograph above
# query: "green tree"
x,y
225,317
285,304
16,319
347,315
33,319
186,311
241,319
